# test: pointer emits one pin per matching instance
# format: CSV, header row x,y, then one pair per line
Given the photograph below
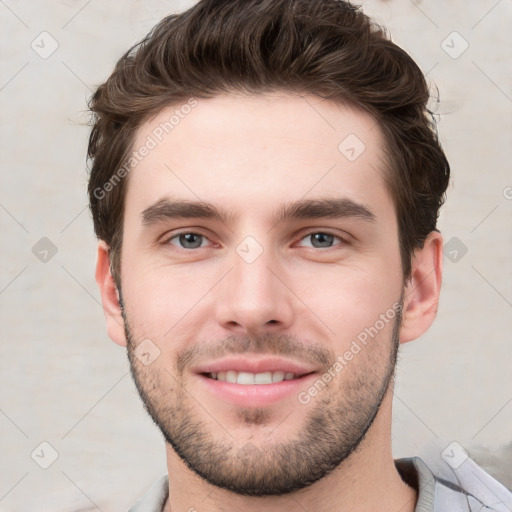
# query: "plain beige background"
x,y
63,382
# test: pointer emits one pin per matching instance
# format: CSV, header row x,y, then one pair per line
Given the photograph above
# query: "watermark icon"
x,y
44,250
455,249
304,397
454,45
249,249
151,142
351,147
507,192
44,455
454,455
146,352
45,45
249,450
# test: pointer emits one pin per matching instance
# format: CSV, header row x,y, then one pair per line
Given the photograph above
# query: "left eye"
x,y
189,240
321,240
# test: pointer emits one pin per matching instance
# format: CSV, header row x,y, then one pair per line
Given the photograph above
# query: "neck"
x,y
366,481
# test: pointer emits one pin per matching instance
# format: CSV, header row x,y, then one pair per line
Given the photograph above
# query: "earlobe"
x,y
109,296
421,294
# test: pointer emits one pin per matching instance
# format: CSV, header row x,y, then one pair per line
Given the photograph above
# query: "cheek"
x,y
350,299
159,299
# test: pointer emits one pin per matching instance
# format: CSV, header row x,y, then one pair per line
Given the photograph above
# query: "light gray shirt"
x,y
476,490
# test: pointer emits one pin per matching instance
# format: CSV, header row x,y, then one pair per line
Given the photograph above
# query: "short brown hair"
x,y
324,47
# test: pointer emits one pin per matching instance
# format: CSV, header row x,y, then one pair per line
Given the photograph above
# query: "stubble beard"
x,y
335,426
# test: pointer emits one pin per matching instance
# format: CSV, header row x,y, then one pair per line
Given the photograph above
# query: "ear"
x,y
421,294
109,296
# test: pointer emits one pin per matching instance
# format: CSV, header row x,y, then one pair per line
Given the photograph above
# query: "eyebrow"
x,y
332,208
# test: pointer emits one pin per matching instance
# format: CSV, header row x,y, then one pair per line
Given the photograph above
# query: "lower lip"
x,y
255,395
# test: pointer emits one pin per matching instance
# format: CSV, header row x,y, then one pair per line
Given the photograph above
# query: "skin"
x,y
250,155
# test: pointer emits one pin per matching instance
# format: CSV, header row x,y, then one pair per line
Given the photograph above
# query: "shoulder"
x,y
465,488
154,499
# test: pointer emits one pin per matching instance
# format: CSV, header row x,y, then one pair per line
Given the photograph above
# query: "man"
x,y
265,185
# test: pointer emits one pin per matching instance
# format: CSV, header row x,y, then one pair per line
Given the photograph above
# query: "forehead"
x,y
254,151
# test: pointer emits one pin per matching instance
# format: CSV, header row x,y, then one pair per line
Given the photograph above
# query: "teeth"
x,y
252,378
263,378
277,376
244,378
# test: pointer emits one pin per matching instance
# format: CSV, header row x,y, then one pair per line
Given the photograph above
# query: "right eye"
x,y
188,240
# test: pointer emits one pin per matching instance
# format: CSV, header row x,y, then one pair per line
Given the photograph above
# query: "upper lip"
x,y
262,365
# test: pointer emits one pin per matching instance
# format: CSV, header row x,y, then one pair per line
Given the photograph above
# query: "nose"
x,y
255,298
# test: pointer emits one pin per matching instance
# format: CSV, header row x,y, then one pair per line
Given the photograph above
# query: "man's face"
x,y
259,293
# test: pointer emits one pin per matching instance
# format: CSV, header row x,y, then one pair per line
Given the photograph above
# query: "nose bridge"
x,y
254,280
253,298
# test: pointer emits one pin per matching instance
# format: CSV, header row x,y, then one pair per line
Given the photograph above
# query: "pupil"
x,y
324,239
191,240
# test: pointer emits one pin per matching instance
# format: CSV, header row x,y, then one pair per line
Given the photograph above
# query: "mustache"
x,y
280,345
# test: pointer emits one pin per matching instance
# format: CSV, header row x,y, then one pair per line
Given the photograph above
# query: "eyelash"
x,y
343,241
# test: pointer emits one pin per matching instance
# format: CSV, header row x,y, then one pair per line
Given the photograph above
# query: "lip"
x,y
266,364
